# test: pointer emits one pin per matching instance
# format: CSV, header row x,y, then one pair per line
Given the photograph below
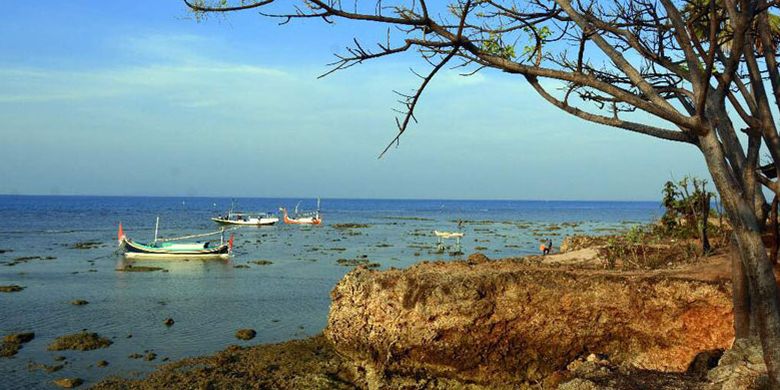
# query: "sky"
x,y
138,98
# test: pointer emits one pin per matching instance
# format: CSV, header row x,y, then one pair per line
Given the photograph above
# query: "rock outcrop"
x,y
12,343
68,383
503,323
246,334
81,341
741,368
577,242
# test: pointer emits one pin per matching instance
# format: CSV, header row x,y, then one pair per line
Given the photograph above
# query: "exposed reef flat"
x,y
298,364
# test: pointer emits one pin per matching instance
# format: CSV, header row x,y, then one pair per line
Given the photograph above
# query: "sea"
x,y
64,248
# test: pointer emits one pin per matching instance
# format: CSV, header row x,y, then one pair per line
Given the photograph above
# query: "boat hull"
x,y
313,219
302,221
134,250
251,222
174,256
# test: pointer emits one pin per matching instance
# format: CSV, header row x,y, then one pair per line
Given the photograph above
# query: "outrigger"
x,y
166,248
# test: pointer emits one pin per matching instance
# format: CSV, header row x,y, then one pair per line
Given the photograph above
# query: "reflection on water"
x,y
172,264
210,300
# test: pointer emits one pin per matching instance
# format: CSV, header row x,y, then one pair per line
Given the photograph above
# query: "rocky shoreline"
x,y
494,324
313,363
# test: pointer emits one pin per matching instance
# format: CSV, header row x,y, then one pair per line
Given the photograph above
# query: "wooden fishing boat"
x,y
246,219
313,218
168,248
302,218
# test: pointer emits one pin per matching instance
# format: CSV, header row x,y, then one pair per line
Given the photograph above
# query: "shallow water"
x,y
210,300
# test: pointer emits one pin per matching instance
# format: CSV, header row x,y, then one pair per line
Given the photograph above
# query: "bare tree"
x,y
706,68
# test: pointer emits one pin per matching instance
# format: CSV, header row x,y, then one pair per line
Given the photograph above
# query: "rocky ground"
x,y
314,364
299,364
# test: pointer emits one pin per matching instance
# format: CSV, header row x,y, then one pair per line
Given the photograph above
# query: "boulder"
x,y
68,383
19,338
245,334
82,341
741,368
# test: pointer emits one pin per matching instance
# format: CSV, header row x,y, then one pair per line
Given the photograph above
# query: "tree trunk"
x,y
740,294
775,234
704,220
760,275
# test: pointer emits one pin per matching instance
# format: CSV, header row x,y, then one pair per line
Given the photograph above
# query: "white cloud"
x,y
171,64
40,85
179,48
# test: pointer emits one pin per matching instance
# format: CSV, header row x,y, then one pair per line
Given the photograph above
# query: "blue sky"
x,y
137,98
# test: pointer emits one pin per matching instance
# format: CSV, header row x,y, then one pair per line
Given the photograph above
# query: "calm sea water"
x,y
210,300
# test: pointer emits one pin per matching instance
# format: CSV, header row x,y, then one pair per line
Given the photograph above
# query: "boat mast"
x,y
156,228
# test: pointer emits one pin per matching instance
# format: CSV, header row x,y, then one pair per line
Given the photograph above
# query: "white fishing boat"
x,y
242,218
170,248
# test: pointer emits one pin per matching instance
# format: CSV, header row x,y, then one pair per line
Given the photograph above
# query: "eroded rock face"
x,y
503,322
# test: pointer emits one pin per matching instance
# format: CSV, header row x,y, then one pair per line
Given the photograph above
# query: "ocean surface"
x,y
210,300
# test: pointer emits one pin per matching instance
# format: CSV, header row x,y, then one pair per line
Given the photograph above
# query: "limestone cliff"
x,y
505,322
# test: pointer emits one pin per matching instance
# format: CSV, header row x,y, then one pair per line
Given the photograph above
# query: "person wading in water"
x,y
546,247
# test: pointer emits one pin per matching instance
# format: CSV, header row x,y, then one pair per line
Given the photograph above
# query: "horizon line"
x,y
325,198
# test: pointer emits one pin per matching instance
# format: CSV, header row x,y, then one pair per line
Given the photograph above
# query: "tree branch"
x,y
657,132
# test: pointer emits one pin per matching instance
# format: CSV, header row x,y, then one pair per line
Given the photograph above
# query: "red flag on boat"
x,y
230,242
120,234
